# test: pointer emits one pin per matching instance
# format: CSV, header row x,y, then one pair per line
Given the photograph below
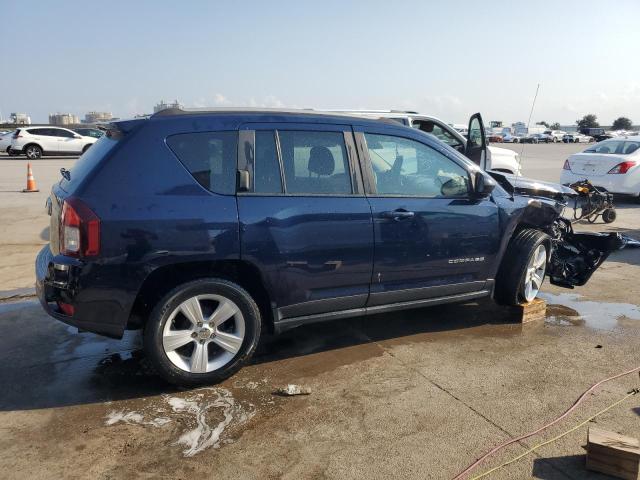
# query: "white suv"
x,y
498,159
35,142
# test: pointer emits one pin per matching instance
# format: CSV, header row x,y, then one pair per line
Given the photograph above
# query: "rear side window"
x,y
315,162
211,157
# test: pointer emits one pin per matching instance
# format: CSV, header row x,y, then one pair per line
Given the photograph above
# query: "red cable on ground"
x,y
544,427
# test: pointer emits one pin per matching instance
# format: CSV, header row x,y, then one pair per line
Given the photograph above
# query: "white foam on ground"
x,y
194,410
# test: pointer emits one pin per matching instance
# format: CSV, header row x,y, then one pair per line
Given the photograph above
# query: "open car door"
x,y
476,149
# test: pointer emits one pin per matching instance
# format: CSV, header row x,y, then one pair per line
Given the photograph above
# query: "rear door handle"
x,y
398,215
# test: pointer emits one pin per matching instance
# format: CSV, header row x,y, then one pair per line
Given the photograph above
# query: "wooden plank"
x,y
613,454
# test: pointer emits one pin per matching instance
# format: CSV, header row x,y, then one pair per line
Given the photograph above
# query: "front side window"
x,y
406,167
58,132
211,157
315,162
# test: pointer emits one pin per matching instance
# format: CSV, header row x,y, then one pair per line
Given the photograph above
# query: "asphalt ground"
x,y
415,394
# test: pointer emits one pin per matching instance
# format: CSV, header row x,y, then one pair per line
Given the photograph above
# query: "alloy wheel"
x,y
534,275
33,152
203,333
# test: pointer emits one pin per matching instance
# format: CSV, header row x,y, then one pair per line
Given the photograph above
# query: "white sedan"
x,y
5,141
612,164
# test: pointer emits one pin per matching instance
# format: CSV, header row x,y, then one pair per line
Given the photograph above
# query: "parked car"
x,y
510,138
576,137
556,135
494,137
612,164
89,132
34,142
497,159
536,138
598,133
227,237
5,141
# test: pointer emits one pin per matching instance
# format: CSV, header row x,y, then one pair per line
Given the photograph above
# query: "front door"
x,y
476,149
68,142
433,238
305,222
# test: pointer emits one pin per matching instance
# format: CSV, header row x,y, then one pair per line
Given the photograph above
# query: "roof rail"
x,y
361,110
193,111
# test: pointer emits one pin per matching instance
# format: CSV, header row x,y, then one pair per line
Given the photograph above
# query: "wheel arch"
x,y
164,278
36,144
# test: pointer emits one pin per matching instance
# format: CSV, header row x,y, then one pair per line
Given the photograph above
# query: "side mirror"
x,y
483,184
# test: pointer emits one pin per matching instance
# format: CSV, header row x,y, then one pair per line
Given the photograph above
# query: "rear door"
x,y
42,136
305,222
432,237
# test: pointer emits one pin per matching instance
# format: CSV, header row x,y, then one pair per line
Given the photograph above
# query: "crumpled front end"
x,y
576,255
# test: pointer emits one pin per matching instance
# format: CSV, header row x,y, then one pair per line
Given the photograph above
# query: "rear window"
x,y
210,157
88,161
618,147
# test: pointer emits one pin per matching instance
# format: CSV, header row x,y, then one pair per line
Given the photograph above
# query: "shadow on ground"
x,y
47,364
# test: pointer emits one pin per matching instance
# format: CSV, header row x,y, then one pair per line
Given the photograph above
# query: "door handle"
x,y
398,215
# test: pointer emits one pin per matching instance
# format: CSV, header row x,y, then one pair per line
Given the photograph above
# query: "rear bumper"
x,y
60,279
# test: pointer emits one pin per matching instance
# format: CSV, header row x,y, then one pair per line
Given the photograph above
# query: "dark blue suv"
x,y
207,229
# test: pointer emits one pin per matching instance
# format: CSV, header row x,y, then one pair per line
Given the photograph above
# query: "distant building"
x,y
20,119
98,117
163,106
62,119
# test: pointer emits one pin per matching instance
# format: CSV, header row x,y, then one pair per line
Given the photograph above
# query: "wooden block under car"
x,y
613,454
533,311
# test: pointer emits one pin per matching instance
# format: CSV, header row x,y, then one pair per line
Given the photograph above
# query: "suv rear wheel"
x,y
523,267
202,332
33,151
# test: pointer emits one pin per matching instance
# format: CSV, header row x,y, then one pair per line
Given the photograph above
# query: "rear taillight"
x,y
66,308
623,167
566,165
80,230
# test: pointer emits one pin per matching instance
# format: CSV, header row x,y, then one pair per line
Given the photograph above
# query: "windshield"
x,y
618,147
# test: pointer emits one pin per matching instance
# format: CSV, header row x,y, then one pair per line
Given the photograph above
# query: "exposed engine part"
x,y
575,256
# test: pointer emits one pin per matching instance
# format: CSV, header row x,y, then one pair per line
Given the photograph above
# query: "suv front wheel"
x,y
523,267
202,332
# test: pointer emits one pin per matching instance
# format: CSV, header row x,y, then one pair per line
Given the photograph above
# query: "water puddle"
x,y
572,309
202,416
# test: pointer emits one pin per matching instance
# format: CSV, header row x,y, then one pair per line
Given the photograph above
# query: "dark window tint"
x,y
38,131
211,157
315,162
266,169
58,132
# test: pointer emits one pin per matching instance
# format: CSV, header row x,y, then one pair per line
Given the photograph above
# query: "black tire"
x,y
609,215
510,280
153,331
9,150
33,151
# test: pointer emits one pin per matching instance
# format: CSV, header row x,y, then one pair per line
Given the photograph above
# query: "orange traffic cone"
x,y
31,183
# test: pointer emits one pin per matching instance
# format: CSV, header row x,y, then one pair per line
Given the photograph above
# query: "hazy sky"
x,y
445,58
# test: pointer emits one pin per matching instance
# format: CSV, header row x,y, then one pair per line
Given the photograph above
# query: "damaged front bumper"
x,y
576,255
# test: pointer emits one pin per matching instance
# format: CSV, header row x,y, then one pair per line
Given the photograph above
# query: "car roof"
x,y
632,138
247,115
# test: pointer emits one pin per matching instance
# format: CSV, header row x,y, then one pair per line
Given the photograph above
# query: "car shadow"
x,y
561,468
75,369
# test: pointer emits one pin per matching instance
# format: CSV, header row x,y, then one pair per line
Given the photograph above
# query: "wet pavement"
x,y
416,394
